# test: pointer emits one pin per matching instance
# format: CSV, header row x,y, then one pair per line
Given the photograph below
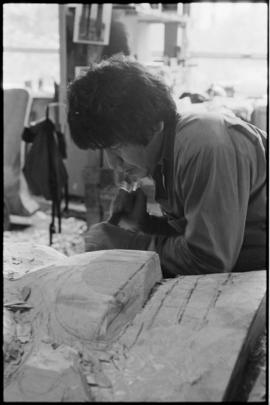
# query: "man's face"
x,y
130,160
137,161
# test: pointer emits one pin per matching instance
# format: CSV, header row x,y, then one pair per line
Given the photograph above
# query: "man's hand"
x,y
103,236
129,209
138,212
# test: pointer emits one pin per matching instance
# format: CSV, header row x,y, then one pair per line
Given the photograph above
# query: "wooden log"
x,y
72,308
190,343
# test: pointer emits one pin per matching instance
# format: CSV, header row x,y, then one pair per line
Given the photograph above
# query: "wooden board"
x,y
77,304
190,342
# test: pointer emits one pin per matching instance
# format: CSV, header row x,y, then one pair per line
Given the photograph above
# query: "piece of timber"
x,y
74,308
190,342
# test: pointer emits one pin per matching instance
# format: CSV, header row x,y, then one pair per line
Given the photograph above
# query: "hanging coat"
x,y
44,169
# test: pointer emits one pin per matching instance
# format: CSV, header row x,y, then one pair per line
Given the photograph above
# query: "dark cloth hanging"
x,y
44,169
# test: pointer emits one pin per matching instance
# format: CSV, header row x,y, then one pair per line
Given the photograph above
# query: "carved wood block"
x,y
78,304
190,342
87,331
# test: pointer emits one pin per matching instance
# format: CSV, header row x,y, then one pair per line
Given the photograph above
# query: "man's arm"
x,y
129,225
215,186
130,210
214,183
157,225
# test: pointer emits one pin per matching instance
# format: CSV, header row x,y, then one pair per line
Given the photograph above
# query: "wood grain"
x,y
90,332
74,307
190,340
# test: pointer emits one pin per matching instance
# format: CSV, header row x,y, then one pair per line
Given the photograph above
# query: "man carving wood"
x,y
209,172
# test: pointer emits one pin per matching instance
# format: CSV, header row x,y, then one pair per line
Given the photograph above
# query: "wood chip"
x,y
23,332
90,378
17,306
102,380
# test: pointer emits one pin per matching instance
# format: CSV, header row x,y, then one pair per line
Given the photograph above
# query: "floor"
x,y
70,241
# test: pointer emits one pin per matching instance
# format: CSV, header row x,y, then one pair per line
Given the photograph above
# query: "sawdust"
x,y
67,243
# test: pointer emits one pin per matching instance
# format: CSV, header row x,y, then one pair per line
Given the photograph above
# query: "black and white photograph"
x,y
92,23
136,202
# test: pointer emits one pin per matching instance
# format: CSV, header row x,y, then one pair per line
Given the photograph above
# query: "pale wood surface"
x,y
25,257
90,332
188,341
77,304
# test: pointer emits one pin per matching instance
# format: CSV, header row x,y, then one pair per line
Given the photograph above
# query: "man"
x,y
209,171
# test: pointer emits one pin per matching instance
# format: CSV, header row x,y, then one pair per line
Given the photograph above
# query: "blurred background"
x,y
193,45
213,56
223,43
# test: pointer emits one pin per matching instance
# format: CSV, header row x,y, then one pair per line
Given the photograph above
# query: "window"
x,y
31,46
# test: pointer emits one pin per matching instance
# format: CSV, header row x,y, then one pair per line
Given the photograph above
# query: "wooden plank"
x,y
77,304
189,342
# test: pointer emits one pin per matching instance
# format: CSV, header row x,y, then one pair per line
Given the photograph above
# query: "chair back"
x,y
17,105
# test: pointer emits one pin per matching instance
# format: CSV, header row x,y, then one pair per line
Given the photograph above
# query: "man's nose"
x,y
114,161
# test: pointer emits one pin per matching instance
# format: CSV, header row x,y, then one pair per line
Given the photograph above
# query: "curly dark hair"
x,y
118,101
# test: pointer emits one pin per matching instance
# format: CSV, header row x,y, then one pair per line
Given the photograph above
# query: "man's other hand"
x,y
130,209
138,212
103,236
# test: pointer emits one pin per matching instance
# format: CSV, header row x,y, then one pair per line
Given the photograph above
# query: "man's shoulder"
x,y
199,120
200,129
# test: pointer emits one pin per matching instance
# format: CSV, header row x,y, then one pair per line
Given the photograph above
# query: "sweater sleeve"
x,y
158,225
214,183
